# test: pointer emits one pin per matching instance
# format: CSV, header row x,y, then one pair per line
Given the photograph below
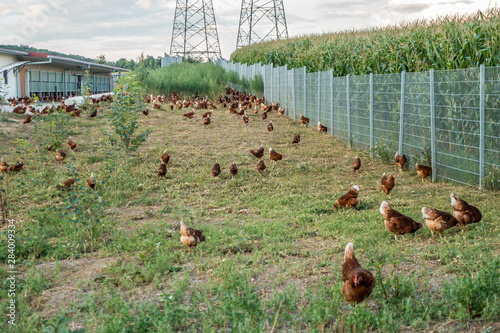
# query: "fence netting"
x,y
447,119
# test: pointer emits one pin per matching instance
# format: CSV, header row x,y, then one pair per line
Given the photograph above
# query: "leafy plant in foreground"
x,y
124,113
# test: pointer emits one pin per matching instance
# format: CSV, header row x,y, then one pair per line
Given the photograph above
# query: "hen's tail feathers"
x,y
349,251
453,198
425,212
383,207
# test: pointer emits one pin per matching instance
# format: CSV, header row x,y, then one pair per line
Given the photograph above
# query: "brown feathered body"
x,y
91,181
3,166
206,122
396,222
216,170
165,157
245,118
27,119
322,128
356,164
264,115
71,145
423,171
261,166
296,139
60,155
258,153
190,237
437,220
400,160
304,120
189,115
349,200
358,282
275,156
270,126
233,170
463,212
162,170
17,167
387,183
66,186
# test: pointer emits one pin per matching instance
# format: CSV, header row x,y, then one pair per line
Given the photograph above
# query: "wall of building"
x,y
5,60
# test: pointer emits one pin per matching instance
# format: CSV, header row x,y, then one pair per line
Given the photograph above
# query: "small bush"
x,y
382,152
492,179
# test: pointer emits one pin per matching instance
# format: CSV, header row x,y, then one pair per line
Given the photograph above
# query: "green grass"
x,y
274,245
187,79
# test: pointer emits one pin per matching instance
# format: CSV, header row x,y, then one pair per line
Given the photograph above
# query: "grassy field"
x,y
272,258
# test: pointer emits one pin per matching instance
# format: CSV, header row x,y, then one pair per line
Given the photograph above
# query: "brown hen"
x,y
396,222
437,220
349,200
463,212
358,282
190,237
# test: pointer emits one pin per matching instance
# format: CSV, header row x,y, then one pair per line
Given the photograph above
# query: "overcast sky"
x,y
125,28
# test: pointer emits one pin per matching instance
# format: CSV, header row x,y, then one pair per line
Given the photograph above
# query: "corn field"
x,y
450,42
448,119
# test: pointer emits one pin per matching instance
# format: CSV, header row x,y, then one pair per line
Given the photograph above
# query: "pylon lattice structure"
x,y
261,20
195,31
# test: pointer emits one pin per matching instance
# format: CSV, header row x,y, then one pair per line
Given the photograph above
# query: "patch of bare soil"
x,y
64,291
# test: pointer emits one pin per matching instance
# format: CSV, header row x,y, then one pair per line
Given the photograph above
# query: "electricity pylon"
x,y
195,31
261,20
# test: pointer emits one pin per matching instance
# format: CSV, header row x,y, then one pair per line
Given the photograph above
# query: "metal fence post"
x,y
271,94
348,100
287,95
402,113
319,94
279,84
331,101
433,127
482,100
293,95
372,153
305,91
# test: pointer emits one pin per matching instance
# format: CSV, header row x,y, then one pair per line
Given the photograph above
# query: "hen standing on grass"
x,y
233,170
356,164
437,220
60,155
261,166
423,171
71,145
296,139
387,183
303,120
91,181
216,169
349,200
4,167
358,282
165,157
270,126
396,222
400,161
190,237
463,212
322,128
258,153
275,156
162,170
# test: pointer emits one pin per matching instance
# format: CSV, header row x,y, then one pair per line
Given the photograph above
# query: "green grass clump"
x,y
448,42
187,79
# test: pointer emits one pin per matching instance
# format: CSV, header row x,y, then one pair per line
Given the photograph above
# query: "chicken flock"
x,y
358,282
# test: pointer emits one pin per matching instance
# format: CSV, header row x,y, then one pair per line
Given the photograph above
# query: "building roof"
x,y
34,58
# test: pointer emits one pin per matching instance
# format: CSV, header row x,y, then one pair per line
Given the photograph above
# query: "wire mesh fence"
x,y
449,119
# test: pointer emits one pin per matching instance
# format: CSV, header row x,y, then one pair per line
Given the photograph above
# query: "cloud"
x,y
143,4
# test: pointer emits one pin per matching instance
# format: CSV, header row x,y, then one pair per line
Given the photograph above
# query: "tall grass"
x,y
448,42
187,79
